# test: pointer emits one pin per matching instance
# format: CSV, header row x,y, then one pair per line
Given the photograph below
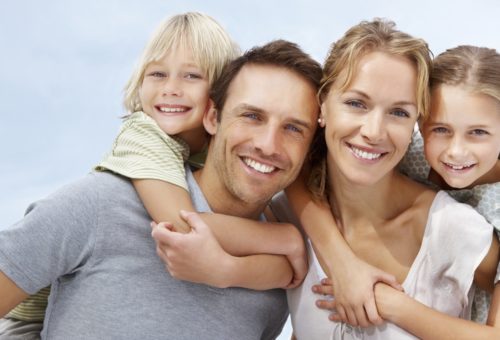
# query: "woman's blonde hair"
x,y
475,68
210,44
344,55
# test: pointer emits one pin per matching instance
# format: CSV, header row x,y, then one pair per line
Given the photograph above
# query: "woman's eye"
x,y
400,113
355,103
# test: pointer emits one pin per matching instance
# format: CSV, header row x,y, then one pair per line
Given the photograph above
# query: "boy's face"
x,y
174,93
462,135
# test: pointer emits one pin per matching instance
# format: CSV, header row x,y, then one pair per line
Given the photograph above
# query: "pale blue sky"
x,y
63,65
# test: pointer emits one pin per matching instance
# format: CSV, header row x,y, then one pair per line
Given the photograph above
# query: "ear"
x,y
321,119
210,118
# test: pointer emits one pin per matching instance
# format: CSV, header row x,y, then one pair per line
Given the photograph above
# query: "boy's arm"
x,y
427,323
352,279
10,294
198,257
237,236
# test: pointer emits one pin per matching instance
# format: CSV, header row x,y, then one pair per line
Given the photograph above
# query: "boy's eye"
x,y
400,113
479,132
193,75
157,74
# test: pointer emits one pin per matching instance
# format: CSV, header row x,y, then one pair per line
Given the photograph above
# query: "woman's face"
x,y
369,124
462,135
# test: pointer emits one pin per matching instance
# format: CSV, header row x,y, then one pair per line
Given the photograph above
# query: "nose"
x,y
373,127
457,149
172,86
268,140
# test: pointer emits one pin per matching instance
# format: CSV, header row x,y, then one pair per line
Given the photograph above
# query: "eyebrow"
x,y
253,108
399,103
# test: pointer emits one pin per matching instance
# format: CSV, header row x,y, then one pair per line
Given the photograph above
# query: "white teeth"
x,y
364,154
459,167
172,109
265,169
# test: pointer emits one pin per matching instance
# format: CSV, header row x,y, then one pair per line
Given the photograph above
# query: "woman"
x,y
374,89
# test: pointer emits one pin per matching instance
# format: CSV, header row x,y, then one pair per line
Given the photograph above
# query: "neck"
x,y
220,199
358,206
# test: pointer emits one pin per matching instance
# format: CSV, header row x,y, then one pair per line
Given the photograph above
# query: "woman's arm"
x,y
352,279
237,236
427,323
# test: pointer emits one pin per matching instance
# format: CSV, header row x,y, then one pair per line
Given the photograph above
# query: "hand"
x,y
298,261
353,287
196,256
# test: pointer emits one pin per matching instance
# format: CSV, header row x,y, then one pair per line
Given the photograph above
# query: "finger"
x,y
326,304
372,313
194,221
351,317
321,289
163,235
390,280
327,281
361,317
341,314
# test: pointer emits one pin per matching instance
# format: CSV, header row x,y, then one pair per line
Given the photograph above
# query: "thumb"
x,y
194,220
389,280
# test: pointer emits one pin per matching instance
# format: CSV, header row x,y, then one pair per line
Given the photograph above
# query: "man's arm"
x,y
10,294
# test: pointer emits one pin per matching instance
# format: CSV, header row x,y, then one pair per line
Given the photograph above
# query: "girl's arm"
x,y
237,236
352,279
427,323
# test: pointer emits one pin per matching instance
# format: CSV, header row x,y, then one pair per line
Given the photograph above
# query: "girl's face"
x,y
462,135
369,125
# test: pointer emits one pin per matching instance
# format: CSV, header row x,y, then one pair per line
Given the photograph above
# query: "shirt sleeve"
x,y
55,238
143,151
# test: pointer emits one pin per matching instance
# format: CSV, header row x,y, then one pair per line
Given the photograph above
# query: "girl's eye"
x,y
401,113
440,130
479,132
355,103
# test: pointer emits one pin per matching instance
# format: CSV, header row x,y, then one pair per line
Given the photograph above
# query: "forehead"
x,y
274,89
456,105
382,74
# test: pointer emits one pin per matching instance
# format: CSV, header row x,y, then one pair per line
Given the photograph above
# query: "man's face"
x,y
268,121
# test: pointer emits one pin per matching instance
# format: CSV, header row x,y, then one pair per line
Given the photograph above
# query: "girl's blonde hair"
x,y
475,68
344,55
210,44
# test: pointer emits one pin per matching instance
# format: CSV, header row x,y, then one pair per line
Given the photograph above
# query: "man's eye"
x,y
250,115
293,128
479,132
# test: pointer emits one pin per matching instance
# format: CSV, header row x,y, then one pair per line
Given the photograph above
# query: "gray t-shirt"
x,y
92,241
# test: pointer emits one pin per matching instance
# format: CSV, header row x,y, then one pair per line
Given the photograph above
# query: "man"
x,y
91,239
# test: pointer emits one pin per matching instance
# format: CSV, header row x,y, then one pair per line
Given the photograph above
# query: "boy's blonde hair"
x,y
475,68
211,46
344,55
